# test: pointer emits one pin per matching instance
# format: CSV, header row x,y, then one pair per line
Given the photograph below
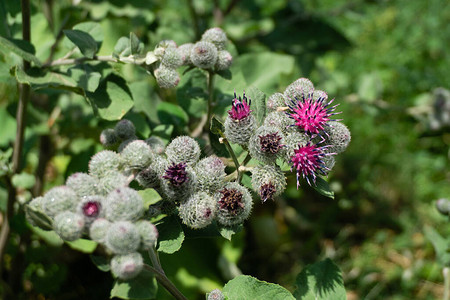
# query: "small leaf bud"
x,y
127,266
167,77
268,181
172,58
123,204
338,136
215,295
302,87
185,52
108,138
210,173
69,225
234,204
137,155
148,233
204,55
59,199
125,129
103,163
224,60
275,101
156,144
198,211
266,144
122,237
82,184
183,149
216,36
98,230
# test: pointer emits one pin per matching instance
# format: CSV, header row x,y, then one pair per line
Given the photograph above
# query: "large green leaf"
x,y
323,188
320,281
83,245
169,113
150,196
21,48
191,93
440,244
258,103
84,41
143,286
247,287
112,99
171,235
85,77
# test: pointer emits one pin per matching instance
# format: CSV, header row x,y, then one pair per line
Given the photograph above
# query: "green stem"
x,y
446,273
246,160
233,156
210,98
74,61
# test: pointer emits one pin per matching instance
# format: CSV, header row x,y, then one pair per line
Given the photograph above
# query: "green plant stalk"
x,y
233,156
446,273
161,276
246,160
210,98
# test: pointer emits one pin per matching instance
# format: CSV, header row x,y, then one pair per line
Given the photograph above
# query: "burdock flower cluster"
x,y
299,129
209,53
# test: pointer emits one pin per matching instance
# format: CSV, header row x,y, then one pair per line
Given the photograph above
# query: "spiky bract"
x,y
198,211
234,204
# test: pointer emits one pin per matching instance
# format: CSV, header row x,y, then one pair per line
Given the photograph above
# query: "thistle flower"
x,y
311,115
240,107
176,174
240,123
308,160
234,204
266,144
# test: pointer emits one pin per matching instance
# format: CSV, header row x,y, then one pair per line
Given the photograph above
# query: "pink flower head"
x,y
308,162
311,115
240,107
91,209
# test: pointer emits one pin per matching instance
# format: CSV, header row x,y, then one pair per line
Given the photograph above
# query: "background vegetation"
x,y
381,60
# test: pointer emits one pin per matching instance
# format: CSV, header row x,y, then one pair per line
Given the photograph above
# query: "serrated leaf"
x,y
122,47
440,244
150,196
323,188
23,180
143,286
320,281
258,103
84,41
112,99
247,287
39,219
21,48
136,46
101,262
171,235
83,245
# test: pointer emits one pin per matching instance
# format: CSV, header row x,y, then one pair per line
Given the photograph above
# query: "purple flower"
x,y
266,191
240,108
311,115
308,162
176,174
270,143
231,200
91,209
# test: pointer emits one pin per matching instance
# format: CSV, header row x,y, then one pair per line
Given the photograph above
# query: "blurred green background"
x,y
380,60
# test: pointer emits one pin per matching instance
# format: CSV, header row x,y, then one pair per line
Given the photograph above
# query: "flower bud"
x,y
198,211
123,204
300,88
108,138
111,181
268,181
137,155
183,149
215,295
234,204
148,233
172,58
90,207
210,173
82,184
122,237
266,144
151,176
69,225
59,199
103,163
338,136
275,101
185,52
178,181
204,55
240,123
156,144
224,60
216,36
443,206
167,77
125,129
127,266
98,230
125,143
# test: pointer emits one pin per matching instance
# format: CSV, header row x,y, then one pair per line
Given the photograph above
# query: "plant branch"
x,y
73,61
233,155
210,98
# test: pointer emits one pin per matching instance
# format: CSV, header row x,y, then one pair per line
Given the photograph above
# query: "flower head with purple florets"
x,y
308,162
240,108
311,115
231,200
270,143
176,174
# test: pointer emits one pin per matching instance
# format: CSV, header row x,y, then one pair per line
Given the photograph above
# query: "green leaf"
x,y
40,219
84,41
101,262
169,113
320,281
150,196
247,287
258,103
94,29
228,232
323,188
164,131
21,48
191,93
217,127
23,180
112,99
136,46
122,47
440,244
83,245
143,286
217,131
85,77
171,235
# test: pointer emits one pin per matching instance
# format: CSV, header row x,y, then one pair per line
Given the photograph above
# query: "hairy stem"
x,y
210,98
446,273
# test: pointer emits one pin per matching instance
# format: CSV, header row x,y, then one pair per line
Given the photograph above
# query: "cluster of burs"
x,y
209,53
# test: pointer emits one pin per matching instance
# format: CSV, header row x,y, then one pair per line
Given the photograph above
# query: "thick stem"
x,y
210,98
166,283
446,273
154,258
